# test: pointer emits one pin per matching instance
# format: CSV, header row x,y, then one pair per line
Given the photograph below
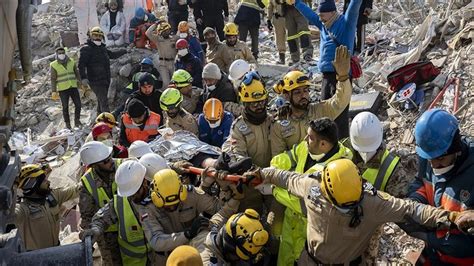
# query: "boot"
x,y
222,162
68,124
77,123
295,58
282,59
241,166
255,55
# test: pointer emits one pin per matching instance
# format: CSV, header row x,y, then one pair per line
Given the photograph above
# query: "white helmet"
x,y
366,132
138,148
153,163
94,152
129,177
237,70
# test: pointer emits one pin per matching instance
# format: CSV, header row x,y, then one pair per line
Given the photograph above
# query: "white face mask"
x,y
183,35
182,52
366,156
211,87
215,125
108,142
145,18
98,43
316,157
61,56
444,170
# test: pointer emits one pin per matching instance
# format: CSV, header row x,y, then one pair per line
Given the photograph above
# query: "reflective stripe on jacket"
x,y
379,177
134,132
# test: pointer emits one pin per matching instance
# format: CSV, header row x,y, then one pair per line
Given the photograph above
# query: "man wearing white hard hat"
x,y
138,148
132,189
98,187
153,163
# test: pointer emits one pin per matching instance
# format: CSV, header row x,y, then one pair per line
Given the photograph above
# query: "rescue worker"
x,y
276,22
343,212
138,123
147,93
178,213
141,19
364,12
153,163
216,51
293,120
113,25
319,147
184,255
94,66
187,61
103,133
212,14
37,213
236,48
159,33
132,190
107,118
177,11
65,81
237,71
214,123
138,148
98,187
217,85
175,116
192,96
446,164
336,30
146,66
194,44
248,21
242,238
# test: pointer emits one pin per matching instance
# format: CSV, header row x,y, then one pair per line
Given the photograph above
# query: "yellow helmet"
x,y
167,189
231,28
247,233
183,27
96,30
294,80
278,87
163,26
29,176
107,118
341,183
253,92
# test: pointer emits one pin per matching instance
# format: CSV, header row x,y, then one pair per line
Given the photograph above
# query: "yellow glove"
x,y
342,63
55,96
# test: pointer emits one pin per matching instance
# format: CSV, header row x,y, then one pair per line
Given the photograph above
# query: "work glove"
x,y
180,167
94,232
196,227
254,174
85,82
465,221
237,191
55,96
269,24
342,63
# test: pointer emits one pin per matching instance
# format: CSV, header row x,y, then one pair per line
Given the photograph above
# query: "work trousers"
x,y
243,32
166,69
360,38
279,28
101,91
175,17
328,89
297,28
109,249
72,93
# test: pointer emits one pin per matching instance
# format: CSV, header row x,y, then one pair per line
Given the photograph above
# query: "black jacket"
x,y
193,65
94,63
151,101
210,9
224,91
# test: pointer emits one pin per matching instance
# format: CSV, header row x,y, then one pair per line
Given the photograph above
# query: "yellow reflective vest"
x,y
131,238
379,177
293,233
253,4
98,193
66,77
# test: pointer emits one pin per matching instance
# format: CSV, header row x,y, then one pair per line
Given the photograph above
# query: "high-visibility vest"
x,y
252,4
66,77
98,193
136,78
131,238
134,132
379,177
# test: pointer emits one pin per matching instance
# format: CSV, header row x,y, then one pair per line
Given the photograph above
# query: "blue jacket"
x,y
454,192
343,30
215,136
195,47
193,65
135,22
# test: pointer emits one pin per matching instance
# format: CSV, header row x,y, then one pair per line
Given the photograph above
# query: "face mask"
x,y
98,43
444,170
215,125
317,157
145,18
212,87
183,35
366,156
108,142
61,56
183,52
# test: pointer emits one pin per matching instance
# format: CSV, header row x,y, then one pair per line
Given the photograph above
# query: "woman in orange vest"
x,y
138,123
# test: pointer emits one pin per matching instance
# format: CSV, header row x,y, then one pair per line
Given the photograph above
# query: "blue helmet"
x,y
140,13
146,61
434,133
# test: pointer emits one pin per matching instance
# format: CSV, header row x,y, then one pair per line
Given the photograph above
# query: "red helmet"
x,y
100,128
181,44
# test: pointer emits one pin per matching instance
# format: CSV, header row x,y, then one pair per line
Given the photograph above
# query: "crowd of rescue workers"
x,y
313,188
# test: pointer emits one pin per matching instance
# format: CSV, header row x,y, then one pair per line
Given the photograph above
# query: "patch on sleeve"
x,y
383,195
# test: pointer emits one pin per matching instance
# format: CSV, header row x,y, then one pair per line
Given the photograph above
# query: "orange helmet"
x,y
213,110
183,27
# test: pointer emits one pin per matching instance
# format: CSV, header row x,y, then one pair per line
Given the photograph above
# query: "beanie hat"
x,y
208,29
146,79
135,108
326,6
184,256
211,71
140,13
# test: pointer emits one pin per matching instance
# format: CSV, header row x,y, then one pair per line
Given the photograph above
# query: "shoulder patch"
x,y
383,195
284,123
243,127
